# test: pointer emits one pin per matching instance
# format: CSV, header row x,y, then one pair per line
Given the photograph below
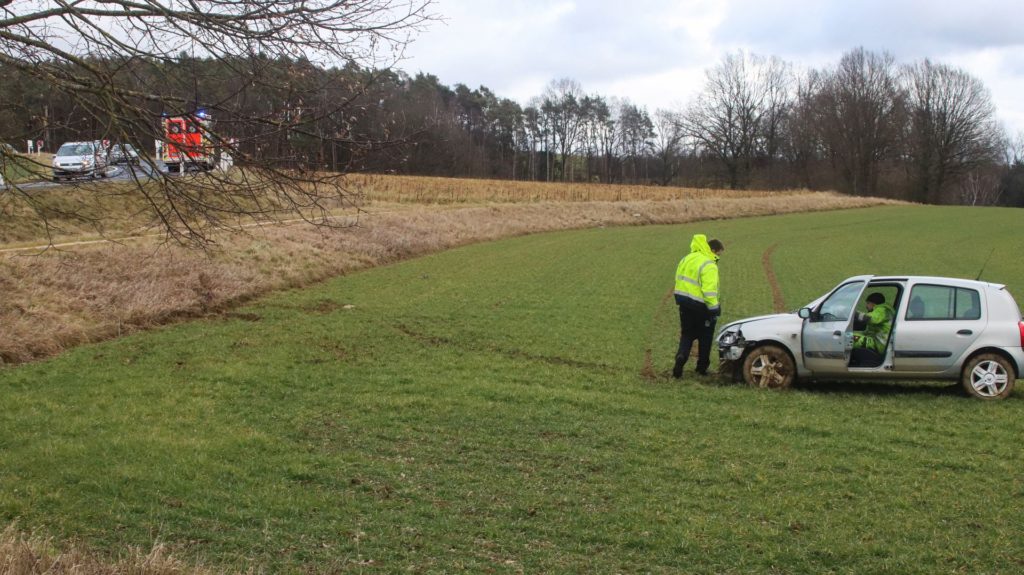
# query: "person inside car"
x,y
878,324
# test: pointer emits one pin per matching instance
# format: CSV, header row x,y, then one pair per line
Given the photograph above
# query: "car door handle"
x,y
837,333
964,332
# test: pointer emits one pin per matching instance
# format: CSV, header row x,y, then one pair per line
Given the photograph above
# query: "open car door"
x,y
828,328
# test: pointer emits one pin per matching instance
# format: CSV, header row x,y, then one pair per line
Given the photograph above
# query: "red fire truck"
x,y
187,144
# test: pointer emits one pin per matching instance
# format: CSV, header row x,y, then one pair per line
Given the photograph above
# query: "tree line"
x,y
867,125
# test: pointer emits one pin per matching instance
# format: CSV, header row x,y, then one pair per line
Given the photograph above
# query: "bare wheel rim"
x,y
768,371
989,379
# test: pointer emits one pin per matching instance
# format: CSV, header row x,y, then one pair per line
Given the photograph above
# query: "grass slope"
x,y
483,410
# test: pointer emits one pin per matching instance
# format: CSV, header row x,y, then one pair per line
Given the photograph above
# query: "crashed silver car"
x,y
942,329
75,159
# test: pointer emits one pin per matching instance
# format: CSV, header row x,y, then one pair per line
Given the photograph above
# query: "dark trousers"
x,y
695,324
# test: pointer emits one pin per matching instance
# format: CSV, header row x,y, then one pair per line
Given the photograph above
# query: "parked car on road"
x,y
80,159
123,154
943,329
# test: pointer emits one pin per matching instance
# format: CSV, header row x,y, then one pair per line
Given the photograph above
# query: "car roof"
x,y
937,279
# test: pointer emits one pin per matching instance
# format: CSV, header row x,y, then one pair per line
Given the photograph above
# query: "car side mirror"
x,y
805,312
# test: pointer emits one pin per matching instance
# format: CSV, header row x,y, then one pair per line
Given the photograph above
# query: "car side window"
x,y
968,304
933,302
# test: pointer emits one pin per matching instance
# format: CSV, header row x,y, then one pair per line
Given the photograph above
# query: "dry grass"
x,y
116,209
29,555
64,298
430,190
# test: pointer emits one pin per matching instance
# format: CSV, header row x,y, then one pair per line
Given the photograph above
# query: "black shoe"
x,y
677,370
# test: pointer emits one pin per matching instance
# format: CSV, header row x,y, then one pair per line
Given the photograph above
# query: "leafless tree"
x,y
801,143
636,132
606,138
563,106
777,81
980,187
668,143
953,129
1015,150
597,120
105,54
859,116
739,111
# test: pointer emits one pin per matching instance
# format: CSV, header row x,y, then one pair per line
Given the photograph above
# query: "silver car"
x,y
80,159
123,154
943,329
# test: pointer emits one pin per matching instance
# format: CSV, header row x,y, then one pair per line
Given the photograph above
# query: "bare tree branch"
x,y
283,80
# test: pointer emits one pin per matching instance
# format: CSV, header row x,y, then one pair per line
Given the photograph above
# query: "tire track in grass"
x,y
778,302
647,370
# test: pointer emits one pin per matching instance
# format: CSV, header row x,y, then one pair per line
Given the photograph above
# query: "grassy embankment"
x,y
22,168
483,409
92,292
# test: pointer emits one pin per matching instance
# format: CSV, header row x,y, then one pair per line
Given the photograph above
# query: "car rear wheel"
x,y
988,376
769,366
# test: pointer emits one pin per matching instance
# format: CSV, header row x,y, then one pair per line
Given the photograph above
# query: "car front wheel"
x,y
769,366
988,376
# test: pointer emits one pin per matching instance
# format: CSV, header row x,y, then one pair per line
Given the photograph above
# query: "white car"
x,y
80,159
943,329
123,154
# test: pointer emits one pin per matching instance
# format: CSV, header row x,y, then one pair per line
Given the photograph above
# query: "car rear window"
x,y
934,302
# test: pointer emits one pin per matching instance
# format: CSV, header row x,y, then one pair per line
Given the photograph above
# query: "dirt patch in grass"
x,y
61,299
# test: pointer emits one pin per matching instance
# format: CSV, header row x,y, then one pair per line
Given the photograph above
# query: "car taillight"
x,y
1021,326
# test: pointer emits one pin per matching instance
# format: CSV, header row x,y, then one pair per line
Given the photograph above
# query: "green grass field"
x,y
20,168
483,410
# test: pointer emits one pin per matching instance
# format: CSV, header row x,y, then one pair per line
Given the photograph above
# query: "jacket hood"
x,y
700,245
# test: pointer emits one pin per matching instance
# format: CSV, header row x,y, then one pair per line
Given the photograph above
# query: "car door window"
x,y
840,304
933,302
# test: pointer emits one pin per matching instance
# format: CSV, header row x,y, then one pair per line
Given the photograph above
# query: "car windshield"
x,y
75,150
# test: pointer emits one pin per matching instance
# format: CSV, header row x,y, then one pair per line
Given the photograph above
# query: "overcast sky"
x,y
654,52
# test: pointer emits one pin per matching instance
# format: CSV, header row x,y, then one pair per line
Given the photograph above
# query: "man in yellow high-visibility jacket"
x,y
696,294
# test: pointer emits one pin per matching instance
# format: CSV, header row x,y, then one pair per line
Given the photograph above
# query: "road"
x,y
120,172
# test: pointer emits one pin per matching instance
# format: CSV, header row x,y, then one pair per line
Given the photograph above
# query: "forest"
x,y
868,125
